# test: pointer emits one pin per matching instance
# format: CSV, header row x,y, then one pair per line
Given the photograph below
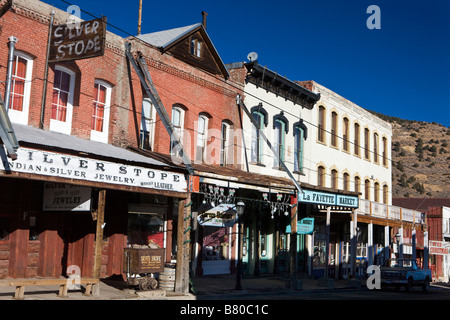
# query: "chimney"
x,y
204,15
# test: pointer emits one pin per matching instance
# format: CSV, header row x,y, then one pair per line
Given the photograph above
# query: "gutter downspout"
x,y
44,90
12,45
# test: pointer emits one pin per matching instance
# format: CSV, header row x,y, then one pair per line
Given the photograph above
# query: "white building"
x,y
335,150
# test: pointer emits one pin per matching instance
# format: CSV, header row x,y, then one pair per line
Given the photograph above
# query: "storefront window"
x,y
146,230
216,242
4,228
319,252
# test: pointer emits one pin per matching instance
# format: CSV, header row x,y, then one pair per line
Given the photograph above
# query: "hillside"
x,y
421,158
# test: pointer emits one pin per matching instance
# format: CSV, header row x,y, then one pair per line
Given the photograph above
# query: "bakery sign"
x,y
45,163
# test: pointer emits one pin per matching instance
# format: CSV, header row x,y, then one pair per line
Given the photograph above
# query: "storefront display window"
x,y
319,251
216,242
146,229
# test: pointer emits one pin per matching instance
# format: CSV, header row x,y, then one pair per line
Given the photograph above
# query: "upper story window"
x,y
321,176
346,181
100,111
147,131
366,144
345,134
375,147
357,184
334,128
202,137
62,102
376,192
178,125
20,88
367,189
196,47
385,148
299,136
334,179
257,141
225,144
321,129
279,141
356,142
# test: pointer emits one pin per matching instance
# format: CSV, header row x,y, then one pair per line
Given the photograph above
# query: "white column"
x,y
400,249
370,244
414,243
425,250
386,243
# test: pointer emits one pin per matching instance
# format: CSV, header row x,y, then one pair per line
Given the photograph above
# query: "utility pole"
x,y
139,18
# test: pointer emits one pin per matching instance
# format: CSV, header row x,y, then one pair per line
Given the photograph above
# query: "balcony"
x,y
389,212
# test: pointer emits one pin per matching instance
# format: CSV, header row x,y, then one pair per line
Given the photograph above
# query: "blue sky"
x,y
401,70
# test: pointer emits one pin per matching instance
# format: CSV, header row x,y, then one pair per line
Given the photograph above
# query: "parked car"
x,y
405,273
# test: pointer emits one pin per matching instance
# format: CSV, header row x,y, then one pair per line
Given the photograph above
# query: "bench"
x,y
64,284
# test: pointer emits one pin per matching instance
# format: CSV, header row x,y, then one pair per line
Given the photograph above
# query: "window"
x,y
321,176
385,194
385,151
334,179
299,135
178,125
376,192
345,135
356,139
148,118
202,135
63,89
366,144
196,47
321,129
100,111
334,119
20,88
357,184
375,147
279,141
225,143
367,189
257,141
346,181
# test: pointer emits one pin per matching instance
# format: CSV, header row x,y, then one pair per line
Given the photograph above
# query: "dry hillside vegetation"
x,y
420,158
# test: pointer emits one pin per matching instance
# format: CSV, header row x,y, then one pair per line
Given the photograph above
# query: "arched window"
x,y
202,137
178,125
334,179
356,140
376,192
345,134
226,143
100,111
20,88
62,103
385,150
257,141
385,194
357,184
300,134
334,128
280,128
148,119
321,128
367,189
366,144
346,181
321,176
375,147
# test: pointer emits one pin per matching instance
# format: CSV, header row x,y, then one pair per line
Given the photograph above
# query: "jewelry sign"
x,y
81,40
45,163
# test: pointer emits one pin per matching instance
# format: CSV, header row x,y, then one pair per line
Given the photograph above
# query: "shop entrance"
x,y
77,232
216,250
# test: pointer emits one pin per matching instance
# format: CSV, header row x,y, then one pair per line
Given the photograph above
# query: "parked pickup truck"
x,y
405,273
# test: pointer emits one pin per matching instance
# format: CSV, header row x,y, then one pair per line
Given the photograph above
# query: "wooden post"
x,y
293,243
99,237
183,245
327,242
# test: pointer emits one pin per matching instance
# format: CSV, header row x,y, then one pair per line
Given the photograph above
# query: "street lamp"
x,y
397,239
239,211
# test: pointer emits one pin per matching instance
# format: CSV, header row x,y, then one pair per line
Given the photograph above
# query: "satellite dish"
x,y
252,56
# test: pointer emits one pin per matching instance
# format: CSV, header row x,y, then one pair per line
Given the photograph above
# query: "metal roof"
x,y
163,38
35,136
